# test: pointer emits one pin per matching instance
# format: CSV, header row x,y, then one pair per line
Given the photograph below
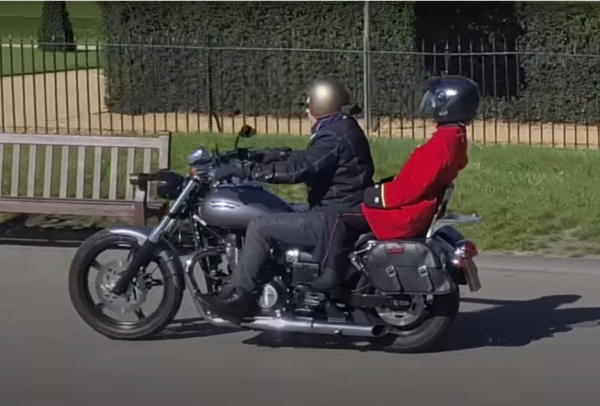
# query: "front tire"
x,y
82,301
421,337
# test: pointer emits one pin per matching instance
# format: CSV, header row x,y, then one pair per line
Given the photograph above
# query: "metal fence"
x,y
67,93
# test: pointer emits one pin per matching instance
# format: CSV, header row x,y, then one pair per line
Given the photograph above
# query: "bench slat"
x,y
114,160
147,166
87,140
1,166
31,170
130,169
164,152
48,171
16,161
64,170
80,172
97,166
147,159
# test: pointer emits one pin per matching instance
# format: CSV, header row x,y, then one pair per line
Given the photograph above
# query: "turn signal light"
x,y
463,252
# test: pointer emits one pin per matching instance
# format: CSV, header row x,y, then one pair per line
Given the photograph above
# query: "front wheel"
x,y
419,328
83,286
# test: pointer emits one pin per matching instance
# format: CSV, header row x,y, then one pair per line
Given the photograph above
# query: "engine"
x,y
299,269
302,266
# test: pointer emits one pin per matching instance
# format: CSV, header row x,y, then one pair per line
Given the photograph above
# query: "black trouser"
x,y
344,233
302,230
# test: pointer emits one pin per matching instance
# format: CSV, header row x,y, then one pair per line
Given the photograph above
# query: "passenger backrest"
x,y
441,208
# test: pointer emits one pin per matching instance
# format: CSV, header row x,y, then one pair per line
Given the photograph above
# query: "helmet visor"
x,y
427,104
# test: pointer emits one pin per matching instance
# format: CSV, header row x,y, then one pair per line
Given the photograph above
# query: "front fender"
x,y
167,250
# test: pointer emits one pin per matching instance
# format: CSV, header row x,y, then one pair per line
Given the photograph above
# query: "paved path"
x,y
529,338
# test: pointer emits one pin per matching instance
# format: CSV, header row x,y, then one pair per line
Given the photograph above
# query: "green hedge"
x,y
167,74
558,87
56,30
189,56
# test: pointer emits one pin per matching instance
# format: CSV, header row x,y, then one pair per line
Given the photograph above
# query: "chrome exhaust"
x,y
309,326
312,326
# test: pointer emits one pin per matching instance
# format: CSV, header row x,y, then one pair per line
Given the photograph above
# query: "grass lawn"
x,y
531,199
21,19
20,61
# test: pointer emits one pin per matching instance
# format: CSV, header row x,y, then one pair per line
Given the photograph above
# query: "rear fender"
x,y
167,250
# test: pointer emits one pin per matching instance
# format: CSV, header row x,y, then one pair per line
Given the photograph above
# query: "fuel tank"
x,y
233,206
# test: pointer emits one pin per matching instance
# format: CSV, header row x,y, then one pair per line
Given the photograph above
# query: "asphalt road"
x,y
528,338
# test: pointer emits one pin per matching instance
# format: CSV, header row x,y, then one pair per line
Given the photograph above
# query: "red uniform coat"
x,y
405,206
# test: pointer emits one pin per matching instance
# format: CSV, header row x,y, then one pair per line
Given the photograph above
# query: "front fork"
x,y
145,254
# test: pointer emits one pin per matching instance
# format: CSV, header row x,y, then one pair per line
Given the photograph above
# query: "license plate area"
x,y
472,276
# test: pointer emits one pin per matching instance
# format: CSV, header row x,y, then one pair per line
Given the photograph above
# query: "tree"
x,y
56,30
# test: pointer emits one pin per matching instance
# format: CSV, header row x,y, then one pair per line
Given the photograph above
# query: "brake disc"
x,y
131,300
404,318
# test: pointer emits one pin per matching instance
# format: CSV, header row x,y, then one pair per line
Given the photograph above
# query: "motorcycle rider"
x,y
336,166
403,207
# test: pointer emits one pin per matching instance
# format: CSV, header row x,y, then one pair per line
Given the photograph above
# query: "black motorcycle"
x,y
401,294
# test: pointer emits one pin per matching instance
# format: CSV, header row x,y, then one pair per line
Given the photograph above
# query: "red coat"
x,y
405,206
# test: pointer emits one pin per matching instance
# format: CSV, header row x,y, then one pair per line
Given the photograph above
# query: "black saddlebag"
x,y
409,267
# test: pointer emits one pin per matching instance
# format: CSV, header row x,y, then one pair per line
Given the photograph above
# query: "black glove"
x,y
229,171
272,155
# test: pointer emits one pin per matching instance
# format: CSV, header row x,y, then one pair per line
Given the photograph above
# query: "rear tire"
x,y
85,308
424,336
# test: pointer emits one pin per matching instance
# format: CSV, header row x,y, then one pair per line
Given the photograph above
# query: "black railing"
x,y
150,87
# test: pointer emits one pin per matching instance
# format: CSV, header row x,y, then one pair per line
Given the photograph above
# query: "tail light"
x,y
463,252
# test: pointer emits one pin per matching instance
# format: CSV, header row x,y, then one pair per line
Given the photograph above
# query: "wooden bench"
x,y
100,186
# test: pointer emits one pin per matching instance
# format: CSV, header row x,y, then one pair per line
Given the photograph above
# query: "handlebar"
x,y
239,157
248,155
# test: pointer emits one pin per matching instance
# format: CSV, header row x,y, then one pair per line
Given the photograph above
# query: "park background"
x,y
201,69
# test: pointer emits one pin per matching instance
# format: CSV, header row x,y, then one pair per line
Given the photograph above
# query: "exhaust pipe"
x,y
302,326
316,327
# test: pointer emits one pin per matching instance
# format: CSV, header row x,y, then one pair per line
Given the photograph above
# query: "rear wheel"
x,y
420,327
91,279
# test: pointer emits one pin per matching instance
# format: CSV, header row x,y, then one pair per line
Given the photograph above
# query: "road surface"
x,y
528,338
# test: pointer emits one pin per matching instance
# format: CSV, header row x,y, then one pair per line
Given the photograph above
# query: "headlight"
x,y
169,185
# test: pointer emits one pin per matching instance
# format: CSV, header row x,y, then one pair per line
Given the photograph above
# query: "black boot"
x,y
328,282
233,307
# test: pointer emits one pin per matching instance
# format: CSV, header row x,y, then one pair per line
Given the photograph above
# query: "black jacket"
x,y
336,166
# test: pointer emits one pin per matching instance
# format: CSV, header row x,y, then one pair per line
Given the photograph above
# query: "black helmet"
x,y
451,99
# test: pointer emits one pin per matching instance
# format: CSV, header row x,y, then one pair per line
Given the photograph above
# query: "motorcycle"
x,y
400,294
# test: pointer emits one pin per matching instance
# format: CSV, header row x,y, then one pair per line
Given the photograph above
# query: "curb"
x,y
505,262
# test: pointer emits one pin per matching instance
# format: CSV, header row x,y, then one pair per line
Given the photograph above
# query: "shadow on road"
x,y
45,232
191,328
507,323
518,323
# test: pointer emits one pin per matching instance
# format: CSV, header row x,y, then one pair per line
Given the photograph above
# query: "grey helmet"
x,y
326,97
